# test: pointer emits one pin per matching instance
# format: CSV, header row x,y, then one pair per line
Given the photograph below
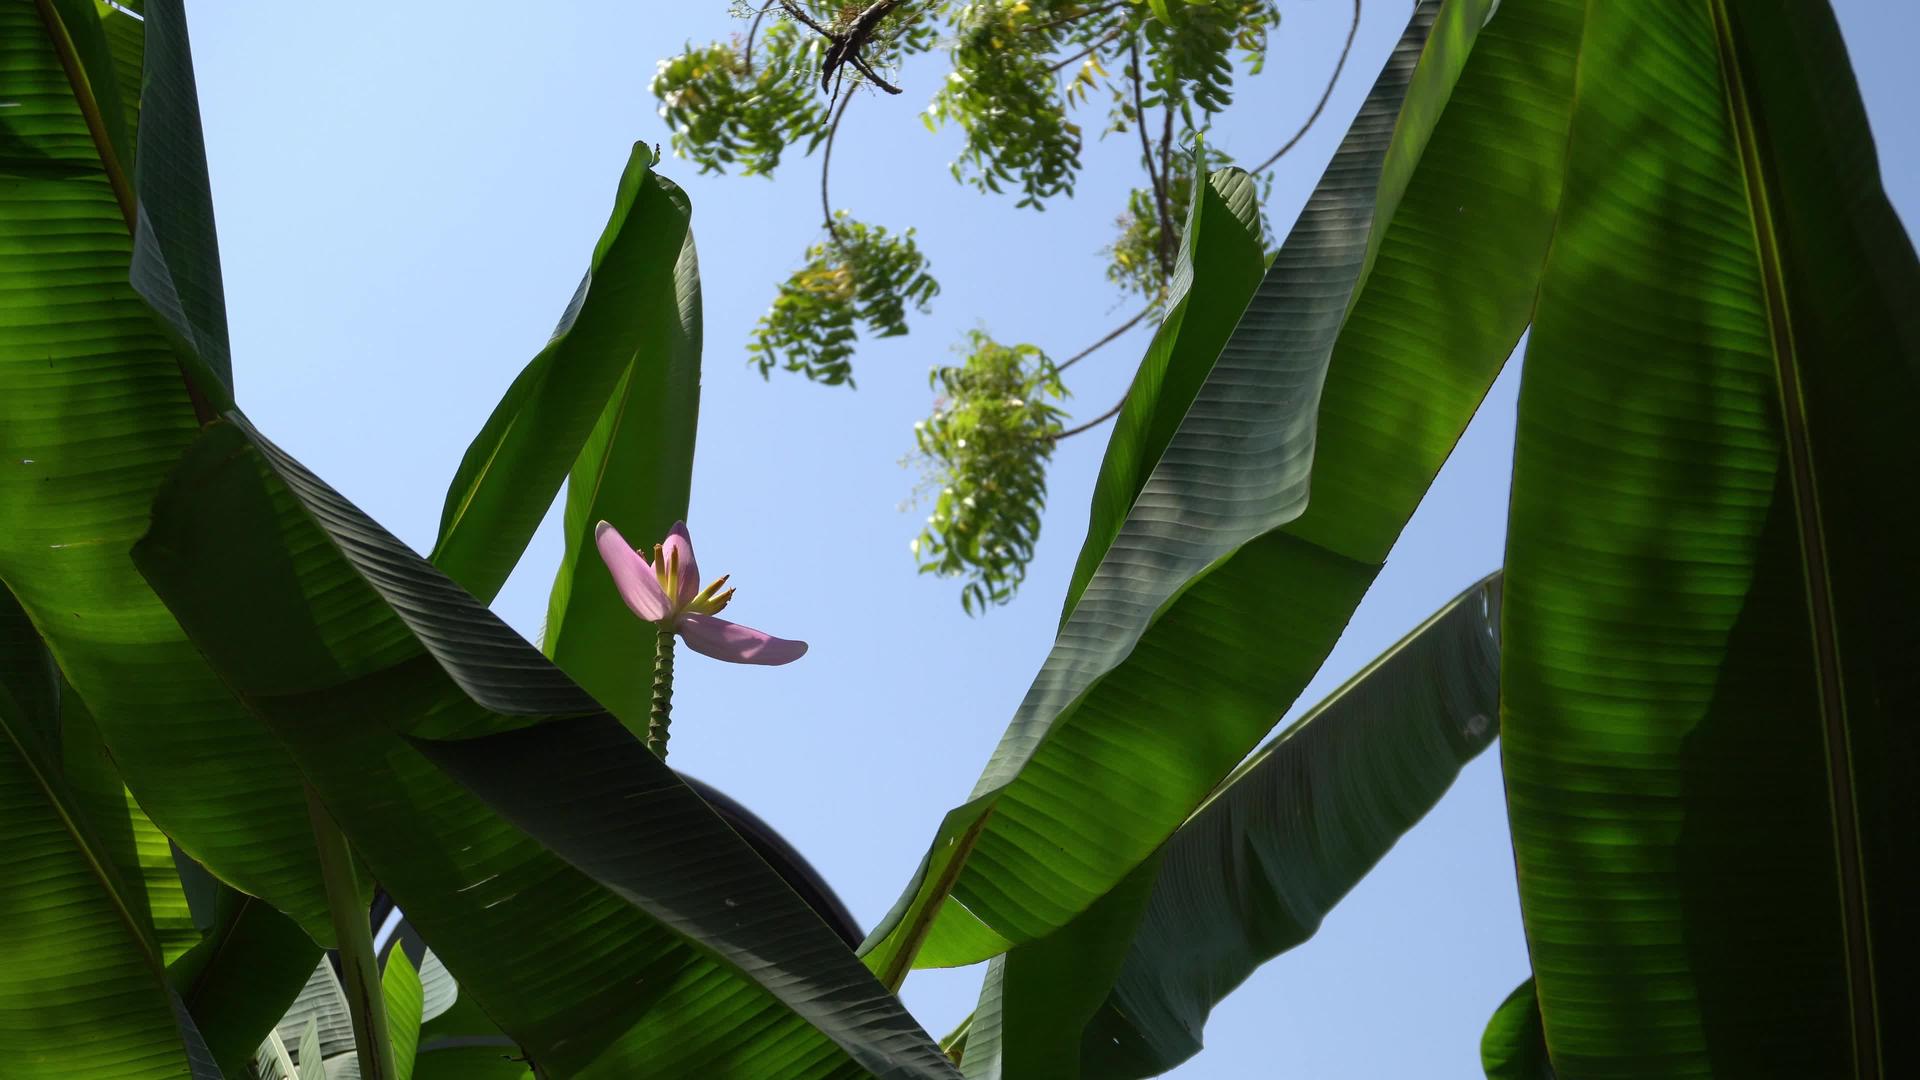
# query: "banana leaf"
x,y
634,470
617,352
242,976
1358,362
388,681
112,294
83,991
404,999
463,1043
1711,606
1125,989
1513,1046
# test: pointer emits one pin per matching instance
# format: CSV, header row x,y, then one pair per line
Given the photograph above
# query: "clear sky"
x,y
407,195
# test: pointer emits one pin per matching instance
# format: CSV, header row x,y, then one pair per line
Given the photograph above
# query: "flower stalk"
x,y
661,715
360,972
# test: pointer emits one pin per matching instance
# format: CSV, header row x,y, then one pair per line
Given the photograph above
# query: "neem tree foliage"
x,y
1023,76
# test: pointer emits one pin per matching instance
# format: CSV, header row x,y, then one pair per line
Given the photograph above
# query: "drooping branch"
x,y
826,165
1109,339
1104,39
1352,29
746,51
1034,28
1166,177
872,77
1135,75
1095,422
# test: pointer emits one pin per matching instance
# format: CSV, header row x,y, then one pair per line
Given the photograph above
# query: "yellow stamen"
x,y
711,599
708,592
666,570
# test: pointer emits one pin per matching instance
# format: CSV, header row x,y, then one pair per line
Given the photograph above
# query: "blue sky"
x,y
407,195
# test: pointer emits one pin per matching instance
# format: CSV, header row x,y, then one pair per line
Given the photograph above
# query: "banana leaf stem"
x,y
360,975
661,715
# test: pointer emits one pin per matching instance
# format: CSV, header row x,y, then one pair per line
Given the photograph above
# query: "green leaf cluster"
x,y
729,110
858,276
1006,101
986,447
1017,76
1193,45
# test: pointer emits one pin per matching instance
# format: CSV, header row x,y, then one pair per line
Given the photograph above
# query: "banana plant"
x,y
232,704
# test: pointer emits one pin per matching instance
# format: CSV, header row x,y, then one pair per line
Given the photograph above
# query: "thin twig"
x,y
1166,176
1089,50
806,20
860,63
1140,125
1065,19
1324,94
1109,339
753,28
1095,422
826,163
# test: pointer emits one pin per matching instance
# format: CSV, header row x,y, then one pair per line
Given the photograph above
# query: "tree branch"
x,y
753,28
858,62
1166,204
1065,19
1089,50
1140,124
1110,338
806,20
1324,94
1095,422
826,163
845,47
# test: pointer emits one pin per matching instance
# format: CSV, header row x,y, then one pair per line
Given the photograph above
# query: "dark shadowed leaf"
x,y
1713,605
242,976
359,654
1125,989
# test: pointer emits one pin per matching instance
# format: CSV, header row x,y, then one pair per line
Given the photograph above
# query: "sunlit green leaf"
x,y
83,994
401,995
94,412
1513,1046
621,320
634,470
1222,590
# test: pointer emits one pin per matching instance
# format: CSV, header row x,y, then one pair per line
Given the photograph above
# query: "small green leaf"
x,y
1514,1047
402,994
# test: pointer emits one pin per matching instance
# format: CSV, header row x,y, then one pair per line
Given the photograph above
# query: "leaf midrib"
x,y
89,106
108,884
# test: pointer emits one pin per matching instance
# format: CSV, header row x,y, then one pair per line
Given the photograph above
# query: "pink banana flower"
x,y
667,593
